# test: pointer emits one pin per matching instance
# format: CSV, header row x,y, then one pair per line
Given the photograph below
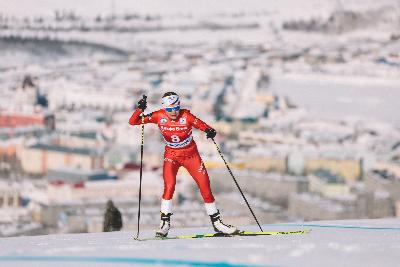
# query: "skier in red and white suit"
x,y
176,125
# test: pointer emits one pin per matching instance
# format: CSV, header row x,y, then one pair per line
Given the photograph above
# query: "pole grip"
x,y
144,97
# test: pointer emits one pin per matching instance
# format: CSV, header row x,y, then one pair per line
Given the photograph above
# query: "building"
x,y
10,195
81,206
27,108
309,207
328,184
374,204
264,163
360,205
73,176
383,180
14,120
272,187
39,158
80,139
397,209
349,169
94,190
84,97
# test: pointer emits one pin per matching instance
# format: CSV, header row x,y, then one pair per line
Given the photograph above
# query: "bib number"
x,y
175,139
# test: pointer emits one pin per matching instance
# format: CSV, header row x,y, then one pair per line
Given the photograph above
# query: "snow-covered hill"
x,y
29,8
330,243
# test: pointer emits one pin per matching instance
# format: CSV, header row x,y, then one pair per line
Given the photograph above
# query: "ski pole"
x,y
240,190
141,170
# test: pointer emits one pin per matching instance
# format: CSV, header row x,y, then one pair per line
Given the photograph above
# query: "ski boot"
x,y
221,227
164,225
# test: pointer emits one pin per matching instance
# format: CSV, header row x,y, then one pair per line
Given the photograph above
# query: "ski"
x,y
242,233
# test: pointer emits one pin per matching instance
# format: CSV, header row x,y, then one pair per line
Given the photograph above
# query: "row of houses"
x,y
349,169
320,195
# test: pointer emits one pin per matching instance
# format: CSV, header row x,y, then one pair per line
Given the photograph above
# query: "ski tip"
x,y
151,238
249,233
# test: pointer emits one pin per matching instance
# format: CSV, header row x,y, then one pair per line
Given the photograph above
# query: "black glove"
x,y
211,133
142,104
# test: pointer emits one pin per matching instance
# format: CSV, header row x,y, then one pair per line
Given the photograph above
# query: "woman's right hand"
x,y
142,104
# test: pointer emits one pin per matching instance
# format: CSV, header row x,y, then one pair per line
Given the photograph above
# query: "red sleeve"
x,y
136,119
197,123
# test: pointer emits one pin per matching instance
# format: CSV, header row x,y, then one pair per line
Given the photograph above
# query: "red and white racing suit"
x,y
180,149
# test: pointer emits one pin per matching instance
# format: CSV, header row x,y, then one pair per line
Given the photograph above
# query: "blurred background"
x,y
304,96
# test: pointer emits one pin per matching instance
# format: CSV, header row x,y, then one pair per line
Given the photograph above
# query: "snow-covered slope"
x,y
333,243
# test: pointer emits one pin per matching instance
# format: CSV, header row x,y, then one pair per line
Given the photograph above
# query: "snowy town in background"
x,y
304,100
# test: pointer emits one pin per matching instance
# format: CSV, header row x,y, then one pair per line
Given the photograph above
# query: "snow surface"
x,y
330,243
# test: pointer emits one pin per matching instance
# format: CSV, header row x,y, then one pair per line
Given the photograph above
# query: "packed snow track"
x,y
330,243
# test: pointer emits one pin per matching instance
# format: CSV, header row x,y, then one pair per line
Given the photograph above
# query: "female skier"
x,y
176,125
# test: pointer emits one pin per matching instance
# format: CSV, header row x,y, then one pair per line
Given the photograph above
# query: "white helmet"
x,y
170,100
